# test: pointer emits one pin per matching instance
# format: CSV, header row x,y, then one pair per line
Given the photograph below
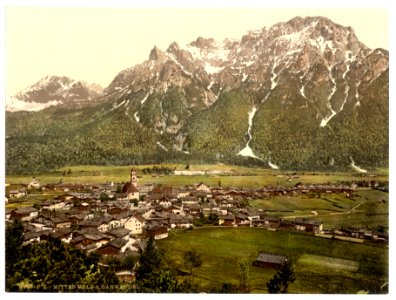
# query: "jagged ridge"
x,y
310,73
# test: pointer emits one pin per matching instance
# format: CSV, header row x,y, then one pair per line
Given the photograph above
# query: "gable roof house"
x,y
157,231
36,236
308,225
113,247
60,222
202,187
17,193
253,215
180,222
176,210
135,224
228,220
122,233
75,218
115,209
119,219
271,222
189,200
31,237
242,220
86,238
25,213
53,205
101,224
182,192
193,208
146,188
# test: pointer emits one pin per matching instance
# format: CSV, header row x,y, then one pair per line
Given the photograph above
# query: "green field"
x,y
326,262
367,208
32,198
222,248
242,176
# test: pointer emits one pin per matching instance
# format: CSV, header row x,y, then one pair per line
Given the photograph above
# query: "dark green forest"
x,y
285,130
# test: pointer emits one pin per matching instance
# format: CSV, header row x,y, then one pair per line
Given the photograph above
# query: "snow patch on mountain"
x,y
244,77
162,146
273,166
325,120
247,151
210,85
137,118
145,98
13,104
115,106
210,69
273,75
355,167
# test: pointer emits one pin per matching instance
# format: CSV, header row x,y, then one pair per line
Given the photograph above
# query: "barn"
x,y
269,260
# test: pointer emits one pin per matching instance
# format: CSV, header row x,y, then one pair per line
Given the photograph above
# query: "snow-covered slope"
x,y
54,90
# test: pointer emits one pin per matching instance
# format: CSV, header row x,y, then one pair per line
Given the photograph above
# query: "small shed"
x,y
269,260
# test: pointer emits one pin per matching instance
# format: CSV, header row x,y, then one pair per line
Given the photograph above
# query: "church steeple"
x,y
134,179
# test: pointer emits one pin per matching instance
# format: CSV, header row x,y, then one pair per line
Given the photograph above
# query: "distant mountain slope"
x,y
53,91
303,94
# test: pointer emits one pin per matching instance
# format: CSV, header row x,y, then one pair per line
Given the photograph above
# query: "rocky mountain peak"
x,y
203,43
282,96
156,54
55,90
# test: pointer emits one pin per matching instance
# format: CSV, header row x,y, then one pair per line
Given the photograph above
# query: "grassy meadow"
x,y
317,262
368,208
241,177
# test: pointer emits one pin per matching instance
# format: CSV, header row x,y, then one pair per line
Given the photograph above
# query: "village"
x,y
114,221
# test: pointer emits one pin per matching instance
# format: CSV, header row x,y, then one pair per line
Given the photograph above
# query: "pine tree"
x,y
152,275
280,282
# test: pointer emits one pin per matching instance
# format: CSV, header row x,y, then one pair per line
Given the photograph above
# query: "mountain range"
x,y
303,94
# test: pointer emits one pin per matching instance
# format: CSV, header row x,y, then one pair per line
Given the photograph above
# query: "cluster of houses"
x,y
115,220
361,233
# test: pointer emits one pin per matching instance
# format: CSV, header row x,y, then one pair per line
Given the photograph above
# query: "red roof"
x,y
129,188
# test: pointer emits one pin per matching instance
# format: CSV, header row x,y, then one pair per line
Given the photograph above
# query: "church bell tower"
x,y
134,178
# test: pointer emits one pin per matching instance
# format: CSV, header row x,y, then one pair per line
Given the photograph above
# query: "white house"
x,y
24,214
53,205
34,184
203,187
135,223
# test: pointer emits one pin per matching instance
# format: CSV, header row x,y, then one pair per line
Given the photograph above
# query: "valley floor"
x,y
349,255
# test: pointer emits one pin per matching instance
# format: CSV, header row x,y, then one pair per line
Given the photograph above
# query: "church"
x,y
131,188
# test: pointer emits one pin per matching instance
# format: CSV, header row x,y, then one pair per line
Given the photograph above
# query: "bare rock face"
x,y
156,54
308,72
310,58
